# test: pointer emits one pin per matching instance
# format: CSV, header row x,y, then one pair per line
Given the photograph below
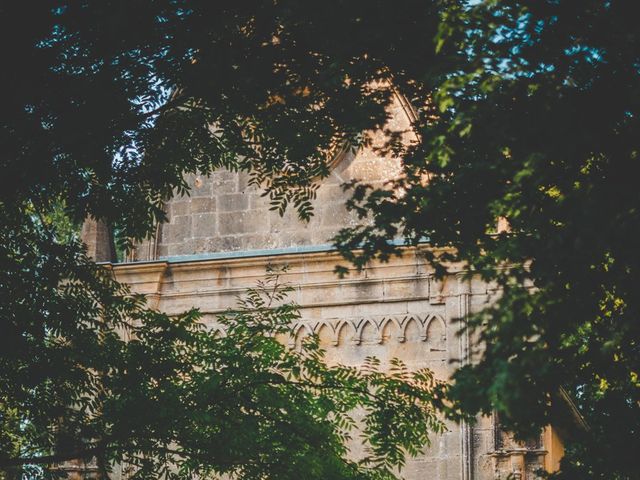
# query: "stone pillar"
x,y
518,464
98,238
466,428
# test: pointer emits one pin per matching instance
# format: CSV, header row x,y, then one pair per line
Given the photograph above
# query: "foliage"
x,y
537,125
108,105
251,85
165,397
524,109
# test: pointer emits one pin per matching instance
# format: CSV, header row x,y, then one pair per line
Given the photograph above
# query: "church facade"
x,y
218,242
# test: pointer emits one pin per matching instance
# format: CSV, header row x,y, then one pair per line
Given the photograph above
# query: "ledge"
x,y
238,254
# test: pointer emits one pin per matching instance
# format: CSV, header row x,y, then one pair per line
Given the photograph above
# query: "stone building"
x,y
218,241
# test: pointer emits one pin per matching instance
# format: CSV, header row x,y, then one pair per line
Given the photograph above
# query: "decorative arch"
x,y
298,332
436,332
412,326
343,327
368,330
326,325
391,323
218,332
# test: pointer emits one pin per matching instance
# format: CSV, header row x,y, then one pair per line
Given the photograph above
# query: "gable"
x,y
224,214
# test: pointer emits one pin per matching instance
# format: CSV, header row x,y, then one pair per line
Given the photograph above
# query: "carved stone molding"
x,y
380,330
430,329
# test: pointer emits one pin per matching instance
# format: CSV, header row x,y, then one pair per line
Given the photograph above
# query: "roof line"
x,y
267,252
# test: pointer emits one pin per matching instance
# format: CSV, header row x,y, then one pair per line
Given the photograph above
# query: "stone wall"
x,y
224,214
388,310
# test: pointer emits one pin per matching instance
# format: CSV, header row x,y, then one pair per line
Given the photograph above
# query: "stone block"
x,y
204,225
361,291
180,249
202,205
235,223
338,311
317,295
335,215
178,230
288,221
233,202
178,207
260,241
323,236
256,200
224,181
243,181
415,288
226,243
420,306
381,309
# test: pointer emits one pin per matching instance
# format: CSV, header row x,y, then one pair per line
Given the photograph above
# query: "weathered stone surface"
x,y
178,230
237,223
202,205
98,238
233,202
244,218
204,225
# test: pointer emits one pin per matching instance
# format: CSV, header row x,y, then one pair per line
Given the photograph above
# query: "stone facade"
x,y
219,241
396,309
224,214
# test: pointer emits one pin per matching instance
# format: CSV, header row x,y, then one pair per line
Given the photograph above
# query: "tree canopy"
x,y
525,110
